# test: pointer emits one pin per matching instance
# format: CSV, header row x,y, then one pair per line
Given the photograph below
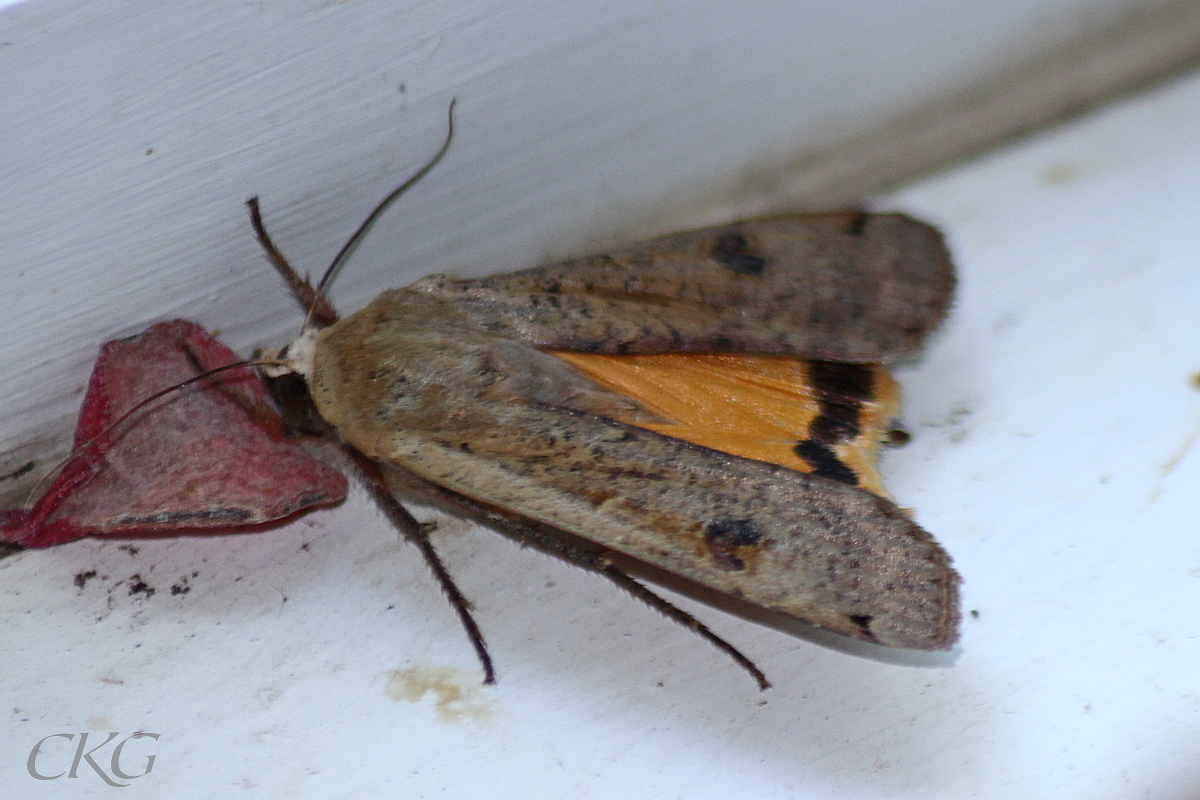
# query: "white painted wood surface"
x,y
133,130
1055,422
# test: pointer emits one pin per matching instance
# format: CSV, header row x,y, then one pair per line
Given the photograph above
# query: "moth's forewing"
x,y
845,286
411,381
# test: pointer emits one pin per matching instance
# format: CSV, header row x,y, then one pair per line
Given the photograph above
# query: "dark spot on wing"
x,y
730,541
824,462
733,251
863,622
857,223
721,344
836,381
841,390
836,423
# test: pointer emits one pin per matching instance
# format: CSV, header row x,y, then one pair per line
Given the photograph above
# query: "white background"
x,y
133,130
1055,422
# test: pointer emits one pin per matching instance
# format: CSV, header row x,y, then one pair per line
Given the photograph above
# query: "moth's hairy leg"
x,y
595,562
318,307
418,534
557,544
677,614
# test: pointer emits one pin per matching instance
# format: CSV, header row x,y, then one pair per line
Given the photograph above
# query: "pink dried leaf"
x,y
209,458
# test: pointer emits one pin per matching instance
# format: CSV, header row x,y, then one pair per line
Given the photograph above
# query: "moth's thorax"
x,y
383,367
297,357
408,361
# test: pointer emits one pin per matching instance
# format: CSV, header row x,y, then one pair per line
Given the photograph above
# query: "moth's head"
x,y
295,358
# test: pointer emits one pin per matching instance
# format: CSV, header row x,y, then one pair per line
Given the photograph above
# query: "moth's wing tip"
x,y
924,613
938,631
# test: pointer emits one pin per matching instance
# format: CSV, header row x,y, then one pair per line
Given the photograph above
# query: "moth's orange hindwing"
x,y
812,416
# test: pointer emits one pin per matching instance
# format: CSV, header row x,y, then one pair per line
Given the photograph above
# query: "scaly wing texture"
x,y
408,382
209,458
839,287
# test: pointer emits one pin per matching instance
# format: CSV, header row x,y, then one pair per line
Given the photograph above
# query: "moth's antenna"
x,y
316,304
76,452
352,244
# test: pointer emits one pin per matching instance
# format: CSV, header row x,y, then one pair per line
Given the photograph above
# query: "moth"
x,y
701,408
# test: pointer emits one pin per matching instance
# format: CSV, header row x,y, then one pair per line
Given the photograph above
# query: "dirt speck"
x,y
137,586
